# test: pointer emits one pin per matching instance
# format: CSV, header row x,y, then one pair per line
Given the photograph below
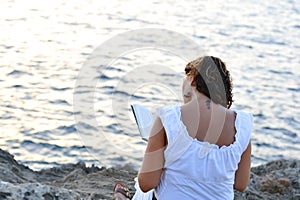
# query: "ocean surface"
x,y
45,45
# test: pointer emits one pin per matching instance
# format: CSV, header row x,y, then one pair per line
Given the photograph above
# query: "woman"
x,y
202,149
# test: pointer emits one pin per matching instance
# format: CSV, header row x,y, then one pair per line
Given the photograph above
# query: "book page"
x,y
144,119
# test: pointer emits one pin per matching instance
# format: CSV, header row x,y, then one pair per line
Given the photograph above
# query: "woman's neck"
x,y
200,98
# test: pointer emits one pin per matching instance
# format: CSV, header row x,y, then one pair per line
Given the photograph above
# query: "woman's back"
x,y
209,122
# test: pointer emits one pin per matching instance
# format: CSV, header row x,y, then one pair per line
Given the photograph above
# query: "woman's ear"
x,y
192,81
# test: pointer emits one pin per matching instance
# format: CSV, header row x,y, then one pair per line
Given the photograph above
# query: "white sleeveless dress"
x,y
199,170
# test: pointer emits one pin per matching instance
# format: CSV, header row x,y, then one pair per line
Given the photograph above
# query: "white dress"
x,y
199,170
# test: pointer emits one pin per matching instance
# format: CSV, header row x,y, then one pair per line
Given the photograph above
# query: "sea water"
x,y
44,45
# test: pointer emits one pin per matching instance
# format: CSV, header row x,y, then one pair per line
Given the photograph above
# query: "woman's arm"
x,y
242,174
153,162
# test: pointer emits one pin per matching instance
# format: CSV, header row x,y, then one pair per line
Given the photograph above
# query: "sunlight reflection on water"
x,y
43,46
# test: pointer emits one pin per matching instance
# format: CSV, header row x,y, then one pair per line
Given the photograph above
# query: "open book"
x,y
144,120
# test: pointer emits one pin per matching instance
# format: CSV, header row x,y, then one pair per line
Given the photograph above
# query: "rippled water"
x,y
44,45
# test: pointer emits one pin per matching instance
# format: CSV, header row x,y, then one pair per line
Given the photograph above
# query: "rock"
x,y
274,180
13,172
35,191
278,179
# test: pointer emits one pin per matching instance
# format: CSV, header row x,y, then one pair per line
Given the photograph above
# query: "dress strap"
x,y
243,125
178,138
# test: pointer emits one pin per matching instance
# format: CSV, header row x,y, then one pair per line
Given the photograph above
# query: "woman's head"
x,y
210,77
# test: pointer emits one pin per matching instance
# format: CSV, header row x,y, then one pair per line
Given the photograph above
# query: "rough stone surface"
x,y
278,179
34,191
275,180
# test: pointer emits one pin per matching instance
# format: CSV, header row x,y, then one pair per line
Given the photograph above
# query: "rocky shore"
x,y
275,180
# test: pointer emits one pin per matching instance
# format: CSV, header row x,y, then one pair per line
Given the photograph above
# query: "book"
x,y
144,120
